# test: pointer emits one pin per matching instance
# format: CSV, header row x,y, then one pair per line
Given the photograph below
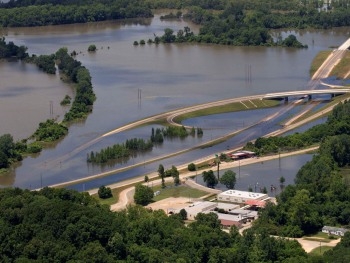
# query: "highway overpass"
x,y
304,93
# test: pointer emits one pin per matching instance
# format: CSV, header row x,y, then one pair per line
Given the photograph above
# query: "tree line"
x,y
338,122
136,145
53,12
249,22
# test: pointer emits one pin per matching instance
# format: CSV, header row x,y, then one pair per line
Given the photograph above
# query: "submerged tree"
x,y
228,179
209,178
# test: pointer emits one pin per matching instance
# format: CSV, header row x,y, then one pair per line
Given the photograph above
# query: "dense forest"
x,y
59,225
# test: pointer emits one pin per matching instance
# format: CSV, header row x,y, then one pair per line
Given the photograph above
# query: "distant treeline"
x,y
249,22
269,14
52,12
238,37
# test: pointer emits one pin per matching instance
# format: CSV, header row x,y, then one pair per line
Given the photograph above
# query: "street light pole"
x,y
239,168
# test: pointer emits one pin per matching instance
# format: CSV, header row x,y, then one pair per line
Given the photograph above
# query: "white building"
x,y
199,207
240,197
338,231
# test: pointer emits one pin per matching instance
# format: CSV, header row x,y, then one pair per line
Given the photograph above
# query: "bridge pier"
x,y
309,97
285,99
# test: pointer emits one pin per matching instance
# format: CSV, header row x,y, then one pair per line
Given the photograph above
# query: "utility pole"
x,y
217,160
51,107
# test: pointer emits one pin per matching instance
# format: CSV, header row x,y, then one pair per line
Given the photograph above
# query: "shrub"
x,y
104,192
191,167
92,48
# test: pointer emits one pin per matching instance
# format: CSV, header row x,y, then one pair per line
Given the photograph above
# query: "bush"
x,y
34,147
92,48
191,167
104,192
66,101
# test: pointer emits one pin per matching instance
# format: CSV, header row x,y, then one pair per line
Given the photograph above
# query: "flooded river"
x,y
168,76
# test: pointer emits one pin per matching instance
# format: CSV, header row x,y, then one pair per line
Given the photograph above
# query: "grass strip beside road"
x,y
318,61
232,107
342,69
325,108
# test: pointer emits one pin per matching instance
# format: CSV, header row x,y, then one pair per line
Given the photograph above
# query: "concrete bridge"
x,y
304,93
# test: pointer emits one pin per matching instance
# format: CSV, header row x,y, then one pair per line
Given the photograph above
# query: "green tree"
x,y
168,36
143,194
183,214
228,179
104,192
209,178
161,173
92,48
192,167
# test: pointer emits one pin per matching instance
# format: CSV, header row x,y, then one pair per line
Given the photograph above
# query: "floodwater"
x,y
264,174
168,76
26,94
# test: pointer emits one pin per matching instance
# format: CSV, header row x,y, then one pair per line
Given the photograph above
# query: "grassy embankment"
x,y
232,107
318,61
342,69
333,102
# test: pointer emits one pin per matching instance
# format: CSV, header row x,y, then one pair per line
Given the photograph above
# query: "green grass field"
x,y
177,191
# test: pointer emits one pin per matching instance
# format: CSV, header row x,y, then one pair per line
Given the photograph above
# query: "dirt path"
x,y
309,245
126,197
